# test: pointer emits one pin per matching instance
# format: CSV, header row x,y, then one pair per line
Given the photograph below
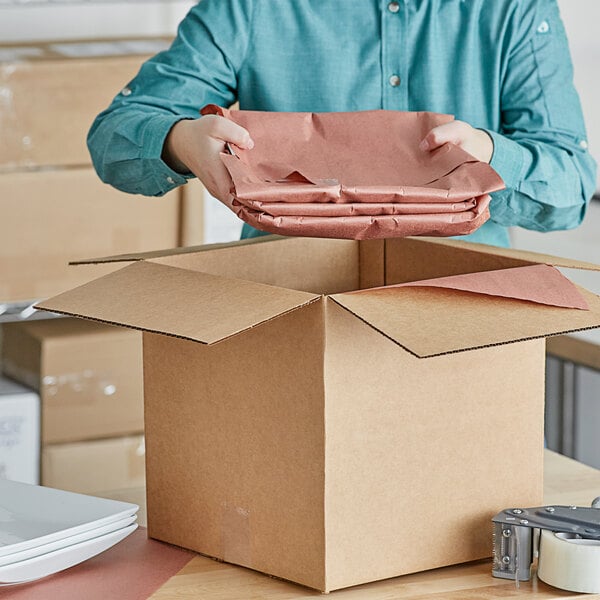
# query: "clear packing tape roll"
x,y
569,563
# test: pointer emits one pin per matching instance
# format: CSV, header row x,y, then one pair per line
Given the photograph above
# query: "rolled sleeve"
x,y
126,140
509,159
539,153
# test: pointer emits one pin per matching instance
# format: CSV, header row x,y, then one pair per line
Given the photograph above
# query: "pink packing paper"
x,y
542,284
357,175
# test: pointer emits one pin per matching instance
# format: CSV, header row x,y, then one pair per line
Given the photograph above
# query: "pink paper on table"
x,y
358,175
131,570
542,284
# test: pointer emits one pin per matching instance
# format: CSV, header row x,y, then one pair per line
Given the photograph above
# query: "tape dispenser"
x,y
564,539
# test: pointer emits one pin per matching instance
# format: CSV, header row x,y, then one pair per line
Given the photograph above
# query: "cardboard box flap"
x,y
522,255
458,313
153,254
164,299
541,283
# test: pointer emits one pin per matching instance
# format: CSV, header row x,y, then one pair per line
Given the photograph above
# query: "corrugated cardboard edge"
x,y
371,250
139,256
83,301
467,349
524,255
181,337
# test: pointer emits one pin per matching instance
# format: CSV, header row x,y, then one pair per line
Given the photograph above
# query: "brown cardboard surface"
x,y
92,467
321,266
192,213
51,99
328,266
451,257
412,466
244,454
542,284
430,322
51,217
372,263
195,306
404,259
405,262
89,376
313,447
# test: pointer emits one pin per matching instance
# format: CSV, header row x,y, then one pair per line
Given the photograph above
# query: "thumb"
x,y
442,134
227,131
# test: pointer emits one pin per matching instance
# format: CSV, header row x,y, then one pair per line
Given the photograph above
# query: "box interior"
x,y
320,266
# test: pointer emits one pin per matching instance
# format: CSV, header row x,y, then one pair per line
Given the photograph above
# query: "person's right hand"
x,y
194,146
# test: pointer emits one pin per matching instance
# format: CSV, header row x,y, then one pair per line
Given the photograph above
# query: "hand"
x,y
194,146
474,141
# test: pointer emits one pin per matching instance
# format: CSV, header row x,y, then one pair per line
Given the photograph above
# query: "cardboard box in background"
x,y
53,91
19,433
89,376
193,202
52,217
206,220
94,467
328,438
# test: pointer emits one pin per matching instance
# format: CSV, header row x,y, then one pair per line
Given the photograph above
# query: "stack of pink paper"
x,y
357,175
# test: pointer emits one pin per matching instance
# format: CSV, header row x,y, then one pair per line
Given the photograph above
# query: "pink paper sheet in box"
x,y
358,175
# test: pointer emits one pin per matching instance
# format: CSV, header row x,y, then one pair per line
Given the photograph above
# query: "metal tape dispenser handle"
x,y
514,530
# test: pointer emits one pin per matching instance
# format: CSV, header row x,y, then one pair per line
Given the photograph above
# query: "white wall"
x,y
581,19
43,20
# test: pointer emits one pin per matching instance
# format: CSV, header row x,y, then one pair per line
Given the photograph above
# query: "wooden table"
x,y
574,349
566,482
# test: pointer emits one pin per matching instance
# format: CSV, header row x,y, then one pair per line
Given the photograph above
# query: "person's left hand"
x,y
474,141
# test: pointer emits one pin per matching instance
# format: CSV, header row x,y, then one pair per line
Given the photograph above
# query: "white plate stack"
x,y
43,530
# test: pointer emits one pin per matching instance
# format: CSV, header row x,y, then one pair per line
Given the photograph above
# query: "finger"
x,y
452,132
227,131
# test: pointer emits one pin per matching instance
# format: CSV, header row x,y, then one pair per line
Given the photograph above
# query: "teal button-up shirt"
x,y
500,65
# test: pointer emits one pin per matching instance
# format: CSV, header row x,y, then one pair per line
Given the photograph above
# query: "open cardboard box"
x,y
330,438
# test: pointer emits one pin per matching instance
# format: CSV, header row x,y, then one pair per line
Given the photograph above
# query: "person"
x,y
502,68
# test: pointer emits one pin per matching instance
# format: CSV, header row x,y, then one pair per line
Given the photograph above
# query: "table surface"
x,y
566,482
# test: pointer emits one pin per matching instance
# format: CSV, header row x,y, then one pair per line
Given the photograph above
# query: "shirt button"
x,y
170,180
583,144
543,27
394,80
394,7
126,91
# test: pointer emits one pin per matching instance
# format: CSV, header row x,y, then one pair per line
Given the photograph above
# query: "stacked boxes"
x,y
89,378
54,207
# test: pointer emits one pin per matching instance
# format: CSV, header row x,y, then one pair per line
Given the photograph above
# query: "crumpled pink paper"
x,y
358,175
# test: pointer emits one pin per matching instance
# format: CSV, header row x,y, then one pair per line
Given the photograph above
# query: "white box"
x,y
19,433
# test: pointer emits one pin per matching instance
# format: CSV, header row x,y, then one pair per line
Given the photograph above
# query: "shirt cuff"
x,y
509,159
153,139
